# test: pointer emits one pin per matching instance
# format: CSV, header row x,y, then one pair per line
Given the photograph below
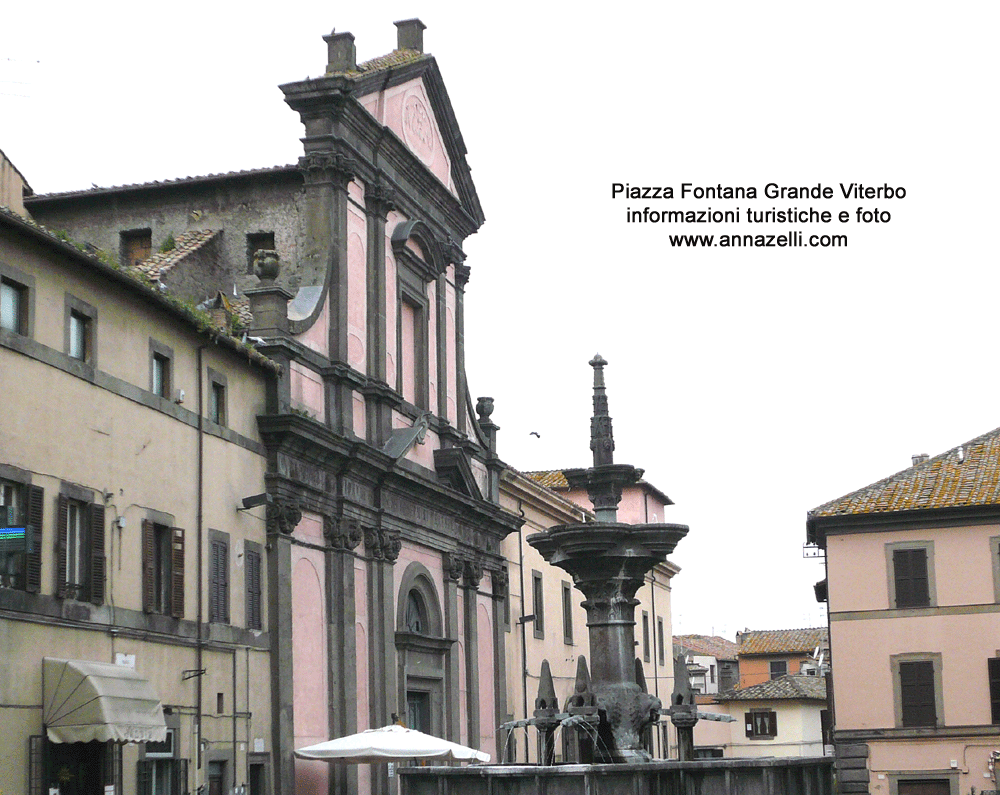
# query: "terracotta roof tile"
x,y
387,61
159,264
965,475
551,478
163,183
782,641
707,645
789,687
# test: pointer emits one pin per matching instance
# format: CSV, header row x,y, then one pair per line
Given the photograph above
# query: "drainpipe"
x,y
199,659
235,747
524,637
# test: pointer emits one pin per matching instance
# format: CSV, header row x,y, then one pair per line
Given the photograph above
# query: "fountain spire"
x,y
609,561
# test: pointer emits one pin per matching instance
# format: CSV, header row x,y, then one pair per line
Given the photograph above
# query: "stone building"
x,y
384,568
133,610
913,588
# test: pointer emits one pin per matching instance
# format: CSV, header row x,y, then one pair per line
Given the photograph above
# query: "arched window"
x,y
416,613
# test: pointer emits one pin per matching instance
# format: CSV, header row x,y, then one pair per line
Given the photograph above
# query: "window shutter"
x,y
774,723
33,560
177,573
181,779
253,597
36,768
148,566
224,581
994,672
916,689
61,543
748,722
910,572
97,560
213,582
143,771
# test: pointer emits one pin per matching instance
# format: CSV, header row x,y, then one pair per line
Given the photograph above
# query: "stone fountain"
x,y
608,561
610,708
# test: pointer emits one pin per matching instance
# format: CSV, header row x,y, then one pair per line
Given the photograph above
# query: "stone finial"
x,y
410,34
484,408
266,265
602,441
546,702
341,54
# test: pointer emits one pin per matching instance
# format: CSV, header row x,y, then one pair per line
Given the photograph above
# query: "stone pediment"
x,y
455,471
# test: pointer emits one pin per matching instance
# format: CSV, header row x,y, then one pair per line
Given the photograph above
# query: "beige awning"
x,y
87,701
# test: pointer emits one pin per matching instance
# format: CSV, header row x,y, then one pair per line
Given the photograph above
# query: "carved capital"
x,y
501,582
381,544
473,572
379,199
328,167
283,516
454,565
343,534
462,274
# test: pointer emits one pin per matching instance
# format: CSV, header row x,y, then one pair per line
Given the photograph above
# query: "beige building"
x,y
132,606
913,584
545,619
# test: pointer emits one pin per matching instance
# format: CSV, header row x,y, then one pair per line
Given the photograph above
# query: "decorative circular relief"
x,y
417,127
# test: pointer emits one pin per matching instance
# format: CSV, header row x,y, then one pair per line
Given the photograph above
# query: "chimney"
x,y
341,55
919,458
410,34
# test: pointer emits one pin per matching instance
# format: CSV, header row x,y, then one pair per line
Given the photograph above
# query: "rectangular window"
x,y
645,636
13,313
778,668
761,724
161,361
162,569
910,577
80,334
537,604
916,692
216,397
660,641
258,241
80,560
994,674
567,610
255,588
137,244
218,594
711,674
20,535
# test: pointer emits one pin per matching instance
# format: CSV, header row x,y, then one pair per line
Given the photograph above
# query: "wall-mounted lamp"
x,y
255,501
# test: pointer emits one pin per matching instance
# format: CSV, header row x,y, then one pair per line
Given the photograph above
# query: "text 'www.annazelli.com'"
x,y
787,240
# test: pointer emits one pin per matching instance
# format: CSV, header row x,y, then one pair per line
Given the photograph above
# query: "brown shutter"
x,y
177,572
62,527
748,723
97,559
33,560
910,572
916,691
774,723
148,566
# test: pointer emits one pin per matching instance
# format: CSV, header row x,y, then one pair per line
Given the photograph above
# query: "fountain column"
x,y
609,561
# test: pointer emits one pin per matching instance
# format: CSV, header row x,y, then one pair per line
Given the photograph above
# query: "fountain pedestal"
x,y
609,561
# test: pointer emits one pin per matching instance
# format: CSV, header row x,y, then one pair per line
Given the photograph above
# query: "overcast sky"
x,y
752,385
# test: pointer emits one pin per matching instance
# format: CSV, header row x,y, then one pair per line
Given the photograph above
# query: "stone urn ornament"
x,y
266,264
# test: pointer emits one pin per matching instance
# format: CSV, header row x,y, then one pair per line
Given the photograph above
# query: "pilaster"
x,y
343,536
279,611
382,548
453,573
472,573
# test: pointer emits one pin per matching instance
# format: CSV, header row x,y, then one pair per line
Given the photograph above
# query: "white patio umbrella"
x,y
388,744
